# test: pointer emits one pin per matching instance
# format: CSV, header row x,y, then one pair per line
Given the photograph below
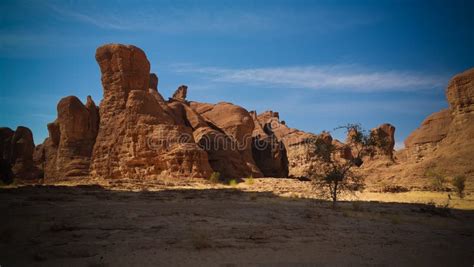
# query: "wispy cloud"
x,y
336,77
170,20
228,20
104,21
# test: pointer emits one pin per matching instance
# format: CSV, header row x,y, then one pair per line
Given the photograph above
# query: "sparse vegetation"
x,y
250,180
437,179
394,189
459,183
335,174
233,182
215,177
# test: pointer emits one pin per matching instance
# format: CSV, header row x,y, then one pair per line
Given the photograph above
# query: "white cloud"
x,y
337,77
399,145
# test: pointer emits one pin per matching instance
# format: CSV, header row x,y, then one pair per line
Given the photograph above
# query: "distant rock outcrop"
x,y
444,142
432,130
383,137
136,133
16,149
180,93
301,156
460,92
449,127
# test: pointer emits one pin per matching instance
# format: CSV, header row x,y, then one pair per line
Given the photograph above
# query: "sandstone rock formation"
x,y
432,130
153,84
450,127
302,160
383,137
6,135
228,139
67,151
269,153
136,133
454,152
180,94
460,92
137,138
153,89
444,142
16,150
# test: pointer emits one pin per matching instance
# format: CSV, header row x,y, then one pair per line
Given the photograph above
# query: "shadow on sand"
x,y
95,226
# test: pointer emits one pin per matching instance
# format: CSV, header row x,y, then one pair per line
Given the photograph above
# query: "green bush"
x,y
215,177
233,182
250,180
459,183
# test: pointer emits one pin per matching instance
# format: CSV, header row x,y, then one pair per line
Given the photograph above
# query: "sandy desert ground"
x,y
261,222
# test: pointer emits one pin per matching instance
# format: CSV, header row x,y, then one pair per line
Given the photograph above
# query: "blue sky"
x,y
321,64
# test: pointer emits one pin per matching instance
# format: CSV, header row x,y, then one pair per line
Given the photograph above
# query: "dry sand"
x,y
262,222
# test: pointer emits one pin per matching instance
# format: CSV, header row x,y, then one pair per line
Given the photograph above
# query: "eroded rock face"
x,y
153,81
445,140
448,126
67,151
460,92
432,130
78,127
16,148
302,160
268,152
138,135
6,135
230,136
153,88
384,139
22,152
180,93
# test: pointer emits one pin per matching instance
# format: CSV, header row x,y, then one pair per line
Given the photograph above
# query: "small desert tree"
x,y
459,183
336,174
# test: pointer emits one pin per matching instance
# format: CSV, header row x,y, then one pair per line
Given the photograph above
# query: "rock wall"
x,y
301,157
449,131
136,133
67,151
137,138
16,150
228,139
383,137
268,152
444,142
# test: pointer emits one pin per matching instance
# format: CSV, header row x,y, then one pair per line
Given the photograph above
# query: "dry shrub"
x,y
459,183
394,189
215,177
